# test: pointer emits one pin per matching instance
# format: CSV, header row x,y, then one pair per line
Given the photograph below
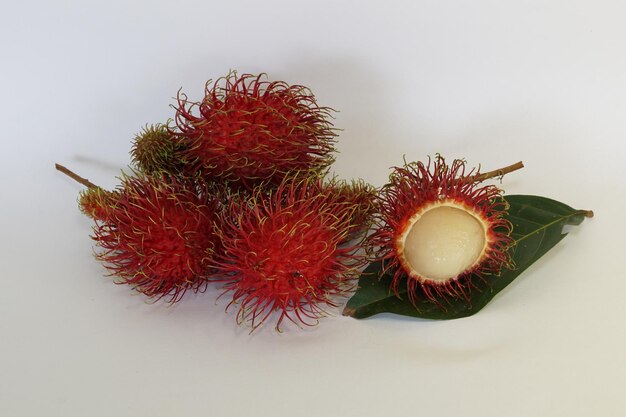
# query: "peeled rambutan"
x,y
159,236
288,251
155,150
439,229
246,131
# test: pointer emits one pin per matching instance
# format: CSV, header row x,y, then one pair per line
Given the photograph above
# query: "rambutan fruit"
x,y
246,131
155,150
94,202
439,229
357,196
288,251
159,236
97,203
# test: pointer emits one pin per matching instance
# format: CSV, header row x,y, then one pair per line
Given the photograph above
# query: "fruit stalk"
x,y
75,177
498,172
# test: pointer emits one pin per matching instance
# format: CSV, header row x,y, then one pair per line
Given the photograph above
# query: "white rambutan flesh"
x,y
442,242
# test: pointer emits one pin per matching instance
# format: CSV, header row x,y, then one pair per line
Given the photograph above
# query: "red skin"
x,y
415,186
159,237
289,252
246,131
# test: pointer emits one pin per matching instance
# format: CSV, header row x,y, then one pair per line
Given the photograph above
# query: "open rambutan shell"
x,y
438,230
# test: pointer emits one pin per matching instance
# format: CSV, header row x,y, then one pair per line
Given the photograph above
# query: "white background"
x,y
492,81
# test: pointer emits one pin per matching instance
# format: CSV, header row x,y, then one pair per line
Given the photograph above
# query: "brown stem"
x,y
587,213
498,172
75,177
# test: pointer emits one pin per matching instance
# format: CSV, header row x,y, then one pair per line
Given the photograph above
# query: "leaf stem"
x,y
498,172
587,213
75,177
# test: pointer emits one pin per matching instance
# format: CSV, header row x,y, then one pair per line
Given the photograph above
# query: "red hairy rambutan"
x,y
288,251
358,196
438,229
159,237
246,131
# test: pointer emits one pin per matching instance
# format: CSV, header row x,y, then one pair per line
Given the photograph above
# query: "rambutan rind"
x,y
97,203
357,196
414,190
160,236
246,131
288,251
155,151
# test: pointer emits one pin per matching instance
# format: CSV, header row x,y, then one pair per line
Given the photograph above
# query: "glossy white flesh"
x,y
443,242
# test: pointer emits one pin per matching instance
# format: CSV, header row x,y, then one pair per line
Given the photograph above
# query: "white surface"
x,y
492,81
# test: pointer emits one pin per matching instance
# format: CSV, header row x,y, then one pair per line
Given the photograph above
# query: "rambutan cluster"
x,y
235,190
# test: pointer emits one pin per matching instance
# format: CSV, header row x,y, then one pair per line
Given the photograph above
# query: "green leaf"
x,y
537,226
